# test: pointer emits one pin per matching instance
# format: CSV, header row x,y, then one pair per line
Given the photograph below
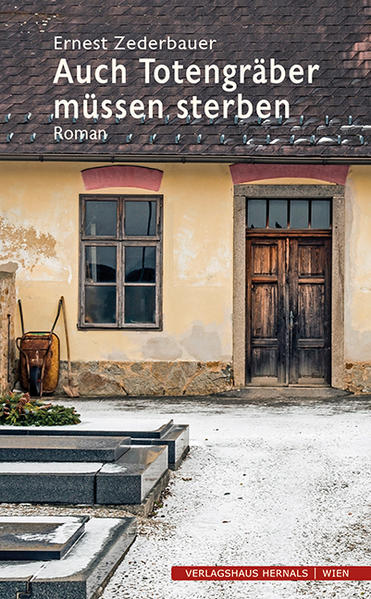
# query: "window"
x,y
288,214
120,262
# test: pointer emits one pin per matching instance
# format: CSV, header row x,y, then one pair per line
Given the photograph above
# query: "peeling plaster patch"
x,y
203,345
69,271
185,251
24,244
198,265
47,270
217,264
162,348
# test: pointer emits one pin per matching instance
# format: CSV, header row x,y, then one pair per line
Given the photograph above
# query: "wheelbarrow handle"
x,y
58,313
21,315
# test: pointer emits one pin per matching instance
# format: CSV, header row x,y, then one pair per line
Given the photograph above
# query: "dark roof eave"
x,y
211,158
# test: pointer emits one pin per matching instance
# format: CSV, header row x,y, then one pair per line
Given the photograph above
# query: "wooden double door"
x,y
288,309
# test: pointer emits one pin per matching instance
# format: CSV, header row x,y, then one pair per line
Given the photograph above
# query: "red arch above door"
x,y
245,173
102,177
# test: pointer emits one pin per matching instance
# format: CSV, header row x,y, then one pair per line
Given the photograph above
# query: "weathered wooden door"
x,y
288,309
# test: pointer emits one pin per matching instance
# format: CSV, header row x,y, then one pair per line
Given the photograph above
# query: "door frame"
x,y
336,194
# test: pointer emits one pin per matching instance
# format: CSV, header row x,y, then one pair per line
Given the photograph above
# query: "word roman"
x,y
122,42
79,134
229,76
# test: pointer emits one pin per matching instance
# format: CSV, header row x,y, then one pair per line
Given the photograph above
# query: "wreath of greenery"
x,y
19,409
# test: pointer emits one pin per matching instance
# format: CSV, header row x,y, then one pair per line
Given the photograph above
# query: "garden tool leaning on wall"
x,y
70,389
40,358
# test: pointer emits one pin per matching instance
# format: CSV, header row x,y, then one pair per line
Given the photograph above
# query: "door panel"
x,y
264,259
264,308
265,299
288,310
312,258
264,362
309,293
310,311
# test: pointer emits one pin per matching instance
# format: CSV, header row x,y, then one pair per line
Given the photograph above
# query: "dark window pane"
x,y
140,264
299,213
140,218
100,264
100,304
278,214
257,214
140,304
100,218
320,214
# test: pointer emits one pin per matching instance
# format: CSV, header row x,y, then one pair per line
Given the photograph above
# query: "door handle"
x,y
291,321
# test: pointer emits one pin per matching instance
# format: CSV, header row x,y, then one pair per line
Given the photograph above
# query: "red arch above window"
x,y
102,177
244,173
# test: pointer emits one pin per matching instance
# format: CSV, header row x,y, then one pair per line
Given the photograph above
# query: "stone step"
x,y
131,478
126,481
42,448
79,574
175,436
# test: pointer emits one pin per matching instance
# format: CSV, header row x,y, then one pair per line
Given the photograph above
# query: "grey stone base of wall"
x,y
148,378
357,377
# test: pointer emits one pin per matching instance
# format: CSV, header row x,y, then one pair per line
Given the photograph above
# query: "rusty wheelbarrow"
x,y
39,353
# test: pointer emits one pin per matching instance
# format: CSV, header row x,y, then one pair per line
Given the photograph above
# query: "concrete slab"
x,y
39,538
52,482
42,448
133,476
81,573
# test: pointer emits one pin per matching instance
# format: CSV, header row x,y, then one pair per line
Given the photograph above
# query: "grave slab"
x,y
131,427
42,448
126,481
51,482
133,476
175,436
42,538
79,574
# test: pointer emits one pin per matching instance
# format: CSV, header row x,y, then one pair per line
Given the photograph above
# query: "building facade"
x,y
195,253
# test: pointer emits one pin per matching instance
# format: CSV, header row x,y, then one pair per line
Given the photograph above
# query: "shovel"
x,y
70,389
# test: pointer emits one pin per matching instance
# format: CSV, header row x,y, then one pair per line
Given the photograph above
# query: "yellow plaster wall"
x,y
358,264
39,230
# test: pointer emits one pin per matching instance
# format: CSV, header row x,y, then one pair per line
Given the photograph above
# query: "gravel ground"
x,y
265,483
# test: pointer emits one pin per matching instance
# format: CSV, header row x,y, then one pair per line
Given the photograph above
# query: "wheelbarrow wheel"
x,y
35,381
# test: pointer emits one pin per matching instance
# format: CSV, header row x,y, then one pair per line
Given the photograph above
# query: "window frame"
x,y
121,241
267,229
